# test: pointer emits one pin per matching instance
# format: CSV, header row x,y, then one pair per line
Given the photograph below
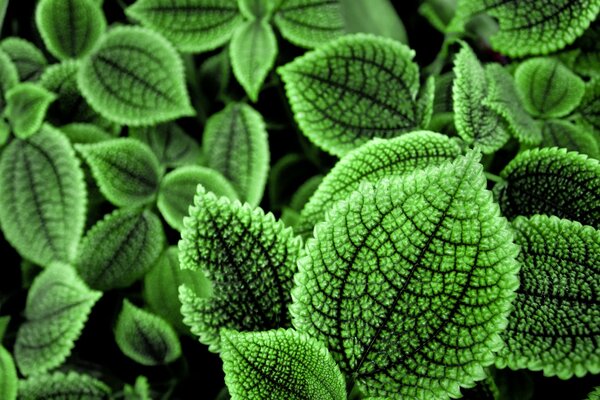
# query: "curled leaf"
x,y
26,107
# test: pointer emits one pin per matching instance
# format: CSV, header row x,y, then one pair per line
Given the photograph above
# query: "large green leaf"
x,y
26,107
28,59
192,25
42,197
561,133
418,273
171,145
69,386
8,376
279,364
135,77
249,257
58,306
9,77
354,89
555,324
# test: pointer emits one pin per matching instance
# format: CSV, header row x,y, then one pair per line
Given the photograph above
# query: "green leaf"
x,y
589,108
256,9
439,13
58,306
146,338
4,321
192,26
84,133
529,27
135,77
125,169
120,249
249,257
9,77
371,162
28,59
305,192
140,391
235,144
594,394
309,23
63,386
171,145
42,197
551,181
8,376
443,108
354,89
279,364
69,28
561,133
253,51
373,16
555,322
178,188
547,88
162,283
26,107
418,273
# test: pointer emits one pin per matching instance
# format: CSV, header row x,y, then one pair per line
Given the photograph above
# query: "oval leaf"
x,y
8,376
63,386
28,59
26,107
171,145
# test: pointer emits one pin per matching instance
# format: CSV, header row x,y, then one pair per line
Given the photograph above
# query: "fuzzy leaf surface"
x,y
26,107
69,386
8,376
29,60
169,142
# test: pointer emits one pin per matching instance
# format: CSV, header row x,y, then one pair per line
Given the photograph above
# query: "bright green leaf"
x,y
26,107
418,273
58,306
439,13
595,394
84,133
140,391
171,145
62,386
8,376
279,364
589,108
373,16
135,77
561,133
256,9
28,59
9,77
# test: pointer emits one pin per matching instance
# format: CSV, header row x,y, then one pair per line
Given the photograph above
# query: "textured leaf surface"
x,y
26,107
555,324
193,25
70,386
28,59
125,169
69,28
354,89
551,181
42,197
249,257
8,376
135,77
178,188
561,133
253,51
84,133
9,77
235,144
146,338
371,162
589,109
279,364
419,273
171,145
120,249
58,306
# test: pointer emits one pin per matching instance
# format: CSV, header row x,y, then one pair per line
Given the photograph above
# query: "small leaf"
x,y
253,51
555,322
26,107
140,391
28,59
551,181
371,162
279,364
42,197
84,133
125,169
135,77
235,144
561,133
146,338
378,17
58,306
249,257
548,88
120,249
309,23
418,273
9,77
69,28
354,89
589,108
178,188
171,145
8,376
193,25
63,386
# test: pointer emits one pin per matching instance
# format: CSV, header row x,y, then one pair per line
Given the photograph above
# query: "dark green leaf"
x,y
60,386
8,376
28,59
26,107
9,77
171,145
256,9
589,108
561,133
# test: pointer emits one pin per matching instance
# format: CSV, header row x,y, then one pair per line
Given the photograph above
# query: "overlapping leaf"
x,y
171,145
63,386
26,107
139,391
561,133
589,108
439,13
8,376
9,77
378,17
84,133
28,59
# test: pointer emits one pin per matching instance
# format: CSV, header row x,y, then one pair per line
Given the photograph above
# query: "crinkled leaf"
x,y
378,17
371,162
120,249
125,169
26,107
69,28
140,390
561,133
418,274
58,306
42,197
547,88
551,181
171,145
192,25
8,376
249,257
146,338
279,364
589,108
85,133
135,77
555,324
439,13
69,386
178,188
253,51
9,77
354,89
235,144
28,59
